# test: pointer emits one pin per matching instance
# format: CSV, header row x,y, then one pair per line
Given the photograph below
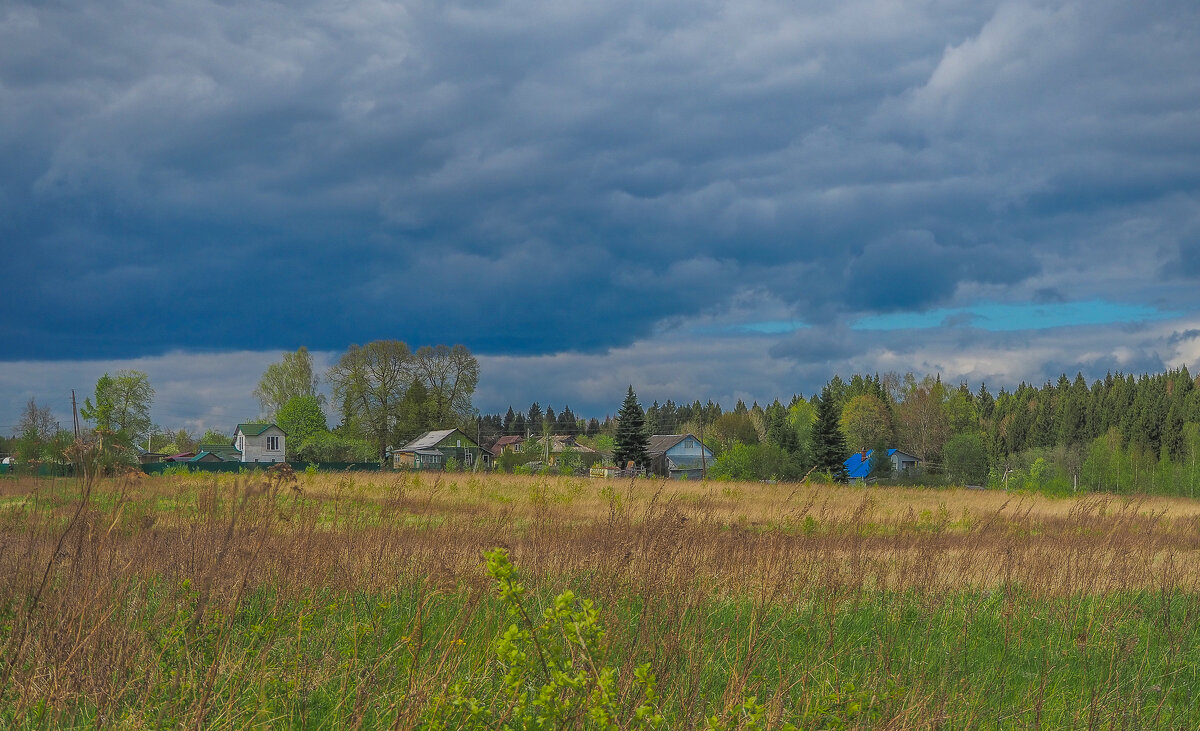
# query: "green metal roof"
x,y
226,452
253,430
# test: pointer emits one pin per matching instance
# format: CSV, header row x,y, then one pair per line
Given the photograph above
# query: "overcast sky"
x,y
706,200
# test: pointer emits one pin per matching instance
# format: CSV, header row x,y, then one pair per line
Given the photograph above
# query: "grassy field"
x,y
362,600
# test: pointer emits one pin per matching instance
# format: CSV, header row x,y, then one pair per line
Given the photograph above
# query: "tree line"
x,y
386,392
1122,433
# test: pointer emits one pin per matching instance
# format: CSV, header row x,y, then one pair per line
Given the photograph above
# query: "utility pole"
x,y
75,414
478,443
703,449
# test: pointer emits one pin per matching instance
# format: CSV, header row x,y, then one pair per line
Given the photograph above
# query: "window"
x,y
273,444
689,444
241,443
458,442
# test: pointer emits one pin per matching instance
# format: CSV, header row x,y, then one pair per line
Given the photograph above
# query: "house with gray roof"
x,y
678,456
433,449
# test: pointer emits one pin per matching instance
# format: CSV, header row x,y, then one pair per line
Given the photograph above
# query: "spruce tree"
x,y
829,444
631,439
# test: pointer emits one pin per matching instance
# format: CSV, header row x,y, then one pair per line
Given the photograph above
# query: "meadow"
x,y
362,601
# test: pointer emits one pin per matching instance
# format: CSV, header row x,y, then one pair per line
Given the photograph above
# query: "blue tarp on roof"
x,y
857,468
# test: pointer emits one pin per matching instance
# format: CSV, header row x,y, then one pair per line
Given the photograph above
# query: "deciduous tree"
x,y
37,422
922,424
292,377
451,374
369,382
866,421
121,405
301,418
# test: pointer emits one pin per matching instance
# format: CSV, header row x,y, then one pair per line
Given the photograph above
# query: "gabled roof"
x,y
858,467
560,443
660,443
428,440
225,452
253,430
507,441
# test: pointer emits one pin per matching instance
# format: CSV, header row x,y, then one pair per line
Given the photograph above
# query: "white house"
x,y
260,442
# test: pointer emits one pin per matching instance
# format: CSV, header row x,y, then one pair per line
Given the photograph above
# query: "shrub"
x,y
329,447
555,675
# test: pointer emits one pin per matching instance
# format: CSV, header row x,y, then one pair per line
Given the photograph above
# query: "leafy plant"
x,y
555,675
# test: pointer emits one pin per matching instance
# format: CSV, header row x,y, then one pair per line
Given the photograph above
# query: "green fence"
x,y
197,467
157,468
43,470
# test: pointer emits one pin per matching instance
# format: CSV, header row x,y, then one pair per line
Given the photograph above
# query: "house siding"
x,y
255,447
455,445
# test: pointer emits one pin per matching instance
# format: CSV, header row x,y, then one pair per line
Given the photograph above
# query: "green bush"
x,y
553,674
554,671
329,447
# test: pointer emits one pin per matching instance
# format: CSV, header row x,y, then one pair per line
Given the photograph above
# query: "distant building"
x,y
433,449
147,457
224,452
512,443
260,442
858,465
678,456
559,444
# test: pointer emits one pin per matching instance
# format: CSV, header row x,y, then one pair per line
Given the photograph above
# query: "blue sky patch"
x,y
998,317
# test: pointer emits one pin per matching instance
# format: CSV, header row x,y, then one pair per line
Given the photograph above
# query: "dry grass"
x,y
93,590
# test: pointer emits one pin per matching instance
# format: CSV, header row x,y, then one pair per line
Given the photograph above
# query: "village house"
x,y
858,465
559,444
433,449
678,456
218,451
511,442
260,442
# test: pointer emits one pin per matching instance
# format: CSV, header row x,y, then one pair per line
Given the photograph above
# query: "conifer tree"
x,y
829,444
631,439
533,421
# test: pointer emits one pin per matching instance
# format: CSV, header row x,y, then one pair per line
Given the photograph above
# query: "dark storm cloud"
x,y
534,177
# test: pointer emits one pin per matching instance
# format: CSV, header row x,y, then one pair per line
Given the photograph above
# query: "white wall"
x,y
255,447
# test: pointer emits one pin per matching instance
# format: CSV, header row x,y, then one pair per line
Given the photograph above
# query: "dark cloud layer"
x,y
539,177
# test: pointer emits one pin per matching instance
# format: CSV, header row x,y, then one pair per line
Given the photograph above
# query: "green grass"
x,y
984,660
293,637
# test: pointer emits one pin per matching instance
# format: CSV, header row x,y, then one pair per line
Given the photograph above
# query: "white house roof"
x,y
428,440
